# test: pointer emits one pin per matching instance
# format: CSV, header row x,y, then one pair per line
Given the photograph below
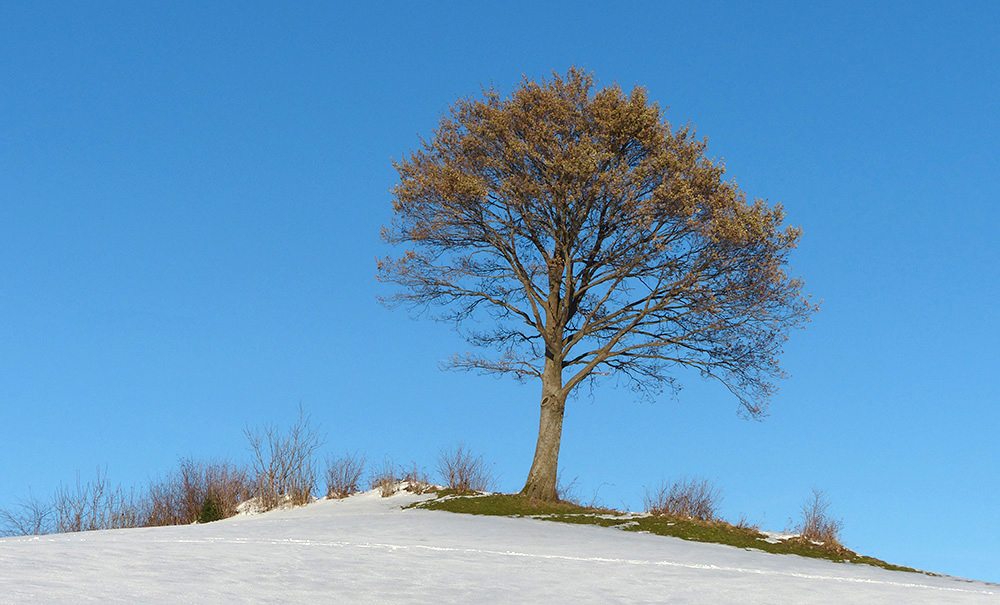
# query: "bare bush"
x,y
464,472
96,505
744,523
415,479
180,497
568,492
816,523
343,475
30,516
695,498
228,484
385,477
283,462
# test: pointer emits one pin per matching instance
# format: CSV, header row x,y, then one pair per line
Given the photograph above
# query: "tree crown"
x,y
596,239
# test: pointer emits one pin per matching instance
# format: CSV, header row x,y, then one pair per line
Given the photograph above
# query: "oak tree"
x,y
571,232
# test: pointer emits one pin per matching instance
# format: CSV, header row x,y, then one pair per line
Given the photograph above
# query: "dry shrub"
x,y
283,462
695,498
568,492
385,477
744,523
464,472
168,502
83,506
227,484
30,517
388,478
180,497
816,524
96,505
343,475
415,480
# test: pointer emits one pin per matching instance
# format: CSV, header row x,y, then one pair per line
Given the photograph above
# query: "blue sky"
x,y
191,196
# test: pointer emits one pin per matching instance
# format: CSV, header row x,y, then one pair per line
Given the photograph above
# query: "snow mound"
x,y
369,549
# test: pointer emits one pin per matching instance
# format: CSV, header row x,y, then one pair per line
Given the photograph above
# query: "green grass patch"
x,y
716,532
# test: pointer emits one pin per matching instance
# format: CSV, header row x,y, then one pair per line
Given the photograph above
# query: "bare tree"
x,y
581,235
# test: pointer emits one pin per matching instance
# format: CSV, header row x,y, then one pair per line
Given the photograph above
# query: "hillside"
x,y
367,549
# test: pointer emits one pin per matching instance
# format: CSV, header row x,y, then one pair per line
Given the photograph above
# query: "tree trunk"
x,y
541,483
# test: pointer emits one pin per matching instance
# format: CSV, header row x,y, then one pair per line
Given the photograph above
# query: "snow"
x,y
367,549
774,537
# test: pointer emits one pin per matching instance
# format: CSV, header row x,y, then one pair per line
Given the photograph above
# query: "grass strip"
x,y
716,532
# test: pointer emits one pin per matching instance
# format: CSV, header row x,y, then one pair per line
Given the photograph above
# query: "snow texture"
x,y
366,549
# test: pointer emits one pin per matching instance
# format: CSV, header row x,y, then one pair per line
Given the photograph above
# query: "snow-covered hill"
x,y
366,549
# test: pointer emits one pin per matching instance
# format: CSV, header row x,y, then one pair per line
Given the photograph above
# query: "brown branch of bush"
x,y
464,472
415,479
96,505
30,517
343,475
180,498
695,498
283,462
816,523
568,492
385,477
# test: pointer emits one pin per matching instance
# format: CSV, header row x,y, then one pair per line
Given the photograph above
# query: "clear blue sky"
x,y
191,195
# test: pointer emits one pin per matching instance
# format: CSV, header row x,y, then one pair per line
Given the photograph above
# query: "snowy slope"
x,y
365,549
